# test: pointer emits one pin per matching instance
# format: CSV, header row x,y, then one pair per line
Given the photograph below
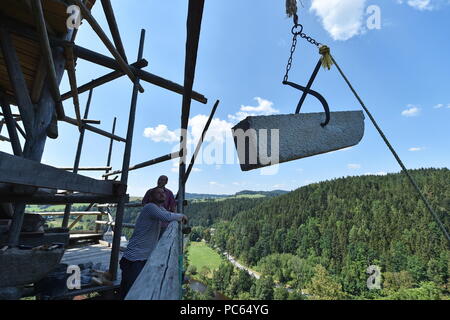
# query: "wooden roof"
x,y
28,51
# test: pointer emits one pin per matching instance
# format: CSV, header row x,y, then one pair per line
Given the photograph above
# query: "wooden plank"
x,y
31,173
160,279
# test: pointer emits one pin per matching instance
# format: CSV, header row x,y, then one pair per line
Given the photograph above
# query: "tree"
x,y
280,293
324,287
264,288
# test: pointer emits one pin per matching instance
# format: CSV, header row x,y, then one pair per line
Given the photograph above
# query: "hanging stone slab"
x,y
267,140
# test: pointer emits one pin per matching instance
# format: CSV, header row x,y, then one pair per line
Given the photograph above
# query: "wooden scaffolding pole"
x,y
104,79
101,34
47,55
113,27
194,22
11,126
113,264
111,143
76,164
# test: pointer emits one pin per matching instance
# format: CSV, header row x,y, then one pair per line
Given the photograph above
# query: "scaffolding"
x,y
36,49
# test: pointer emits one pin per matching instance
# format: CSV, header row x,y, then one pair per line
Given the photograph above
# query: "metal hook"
x,y
307,90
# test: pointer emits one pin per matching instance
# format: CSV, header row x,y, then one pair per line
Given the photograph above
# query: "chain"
x,y
302,35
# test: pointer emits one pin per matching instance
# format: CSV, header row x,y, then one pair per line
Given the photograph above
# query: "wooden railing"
x,y
160,279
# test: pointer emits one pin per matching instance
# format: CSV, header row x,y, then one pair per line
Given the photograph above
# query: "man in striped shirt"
x,y
145,238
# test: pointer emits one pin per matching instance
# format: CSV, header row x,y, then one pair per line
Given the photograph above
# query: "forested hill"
x,y
346,225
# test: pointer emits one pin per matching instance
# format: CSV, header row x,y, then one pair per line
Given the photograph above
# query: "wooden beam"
x,y
194,22
94,129
19,128
39,80
101,34
111,143
160,278
41,198
70,66
108,62
73,213
17,80
75,222
113,27
125,225
88,169
164,158
47,55
102,80
11,126
22,171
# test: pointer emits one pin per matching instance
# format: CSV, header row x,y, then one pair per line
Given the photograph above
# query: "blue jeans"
x,y
130,272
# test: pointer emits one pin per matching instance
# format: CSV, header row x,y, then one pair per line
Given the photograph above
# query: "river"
x,y
201,287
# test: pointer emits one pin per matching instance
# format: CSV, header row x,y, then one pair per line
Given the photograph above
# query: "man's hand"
x,y
184,219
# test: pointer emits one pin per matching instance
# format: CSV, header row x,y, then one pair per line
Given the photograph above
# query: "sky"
x,y
399,67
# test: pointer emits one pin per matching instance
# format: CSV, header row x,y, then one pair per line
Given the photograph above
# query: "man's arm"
x,y
158,213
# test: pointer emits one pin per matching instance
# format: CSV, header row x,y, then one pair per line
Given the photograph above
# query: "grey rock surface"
x,y
300,136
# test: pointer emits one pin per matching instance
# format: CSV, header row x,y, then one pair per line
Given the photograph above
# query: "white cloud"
x,y
421,4
412,111
264,108
161,133
354,166
415,149
216,132
438,106
425,5
343,19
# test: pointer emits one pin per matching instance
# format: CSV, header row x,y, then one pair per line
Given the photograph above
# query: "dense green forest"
x,y
322,238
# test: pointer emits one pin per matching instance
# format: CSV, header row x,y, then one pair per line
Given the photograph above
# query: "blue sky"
x,y
400,70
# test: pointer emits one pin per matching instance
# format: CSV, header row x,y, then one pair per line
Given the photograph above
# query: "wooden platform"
x,y
28,51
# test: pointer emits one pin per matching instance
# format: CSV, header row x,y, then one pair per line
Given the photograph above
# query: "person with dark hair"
x,y
169,203
145,238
